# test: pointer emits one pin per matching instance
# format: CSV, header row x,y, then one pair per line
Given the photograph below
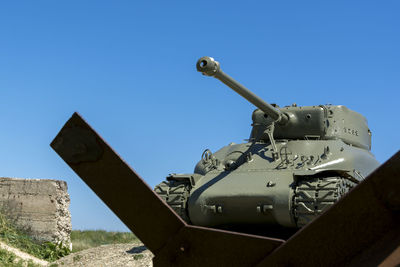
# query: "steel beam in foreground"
x,y
171,240
363,228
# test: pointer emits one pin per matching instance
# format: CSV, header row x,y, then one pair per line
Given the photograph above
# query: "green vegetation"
x,y
77,258
8,259
81,240
88,239
14,237
138,256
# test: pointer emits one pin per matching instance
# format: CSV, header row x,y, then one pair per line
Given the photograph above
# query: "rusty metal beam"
x,y
119,186
172,241
198,246
362,229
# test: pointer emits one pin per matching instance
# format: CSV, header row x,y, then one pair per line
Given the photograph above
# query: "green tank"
x,y
296,164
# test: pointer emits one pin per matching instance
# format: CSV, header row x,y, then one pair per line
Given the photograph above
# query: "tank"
x,y
361,229
298,161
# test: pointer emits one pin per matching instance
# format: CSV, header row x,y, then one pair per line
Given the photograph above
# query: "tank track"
x,y
175,194
314,196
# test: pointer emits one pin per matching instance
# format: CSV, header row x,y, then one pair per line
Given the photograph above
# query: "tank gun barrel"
x,y
208,66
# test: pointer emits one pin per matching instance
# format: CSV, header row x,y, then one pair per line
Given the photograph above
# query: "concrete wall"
x,y
39,206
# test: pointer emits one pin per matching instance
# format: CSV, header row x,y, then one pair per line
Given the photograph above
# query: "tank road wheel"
x,y
313,196
175,194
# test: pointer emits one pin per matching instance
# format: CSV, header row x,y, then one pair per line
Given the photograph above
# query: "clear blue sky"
x,y
129,68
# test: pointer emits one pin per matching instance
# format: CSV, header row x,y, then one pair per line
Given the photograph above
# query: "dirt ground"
x,y
131,254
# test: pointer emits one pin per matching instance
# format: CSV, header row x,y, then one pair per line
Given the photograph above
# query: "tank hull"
x,y
305,180
228,198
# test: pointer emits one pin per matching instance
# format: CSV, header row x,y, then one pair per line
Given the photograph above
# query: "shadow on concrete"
x,y
136,250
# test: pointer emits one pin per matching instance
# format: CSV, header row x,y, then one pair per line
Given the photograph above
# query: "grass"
x,y
138,256
93,238
14,237
8,259
81,240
